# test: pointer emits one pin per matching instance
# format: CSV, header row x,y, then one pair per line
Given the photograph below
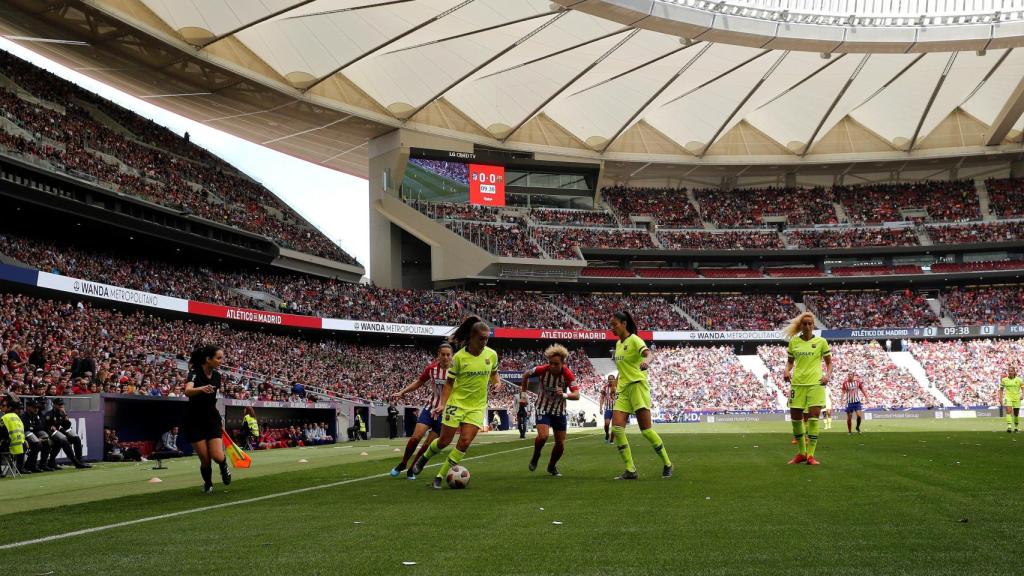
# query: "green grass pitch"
x,y
420,183
903,498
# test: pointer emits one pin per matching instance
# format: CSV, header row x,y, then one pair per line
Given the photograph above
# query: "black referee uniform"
x,y
202,421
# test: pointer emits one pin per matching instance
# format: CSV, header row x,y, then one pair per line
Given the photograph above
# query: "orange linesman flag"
x,y
239,459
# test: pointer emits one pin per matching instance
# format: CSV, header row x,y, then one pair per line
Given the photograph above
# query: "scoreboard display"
x,y
486,185
459,177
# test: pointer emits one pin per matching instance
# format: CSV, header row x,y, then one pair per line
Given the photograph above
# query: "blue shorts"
x,y
607,414
557,423
427,418
854,407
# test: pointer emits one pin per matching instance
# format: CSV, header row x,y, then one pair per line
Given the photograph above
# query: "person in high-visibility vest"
x,y
13,431
252,428
362,426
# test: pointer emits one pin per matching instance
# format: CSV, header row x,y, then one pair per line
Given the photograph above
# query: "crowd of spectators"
x,y
1006,196
670,207
68,137
594,311
508,240
738,311
982,266
749,206
977,232
704,378
60,348
968,371
572,217
726,240
871,309
944,200
985,305
887,385
563,243
450,211
852,237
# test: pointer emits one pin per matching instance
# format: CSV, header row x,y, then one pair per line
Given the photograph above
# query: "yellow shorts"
x,y
1011,403
632,397
803,397
453,416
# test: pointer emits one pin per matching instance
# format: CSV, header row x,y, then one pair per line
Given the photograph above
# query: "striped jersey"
x,y
550,399
852,392
434,376
609,395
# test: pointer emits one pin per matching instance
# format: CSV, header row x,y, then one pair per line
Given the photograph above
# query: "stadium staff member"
x,y
392,421
39,445
12,431
62,436
251,428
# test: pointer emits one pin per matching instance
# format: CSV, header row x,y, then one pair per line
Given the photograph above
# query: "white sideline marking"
x,y
229,504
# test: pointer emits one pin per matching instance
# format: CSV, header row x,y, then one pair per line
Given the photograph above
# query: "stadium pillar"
x,y
1017,169
601,183
389,154
790,179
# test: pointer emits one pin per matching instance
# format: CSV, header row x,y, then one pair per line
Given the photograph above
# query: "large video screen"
x,y
445,181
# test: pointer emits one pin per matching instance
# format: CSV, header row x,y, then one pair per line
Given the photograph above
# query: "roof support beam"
x,y
386,43
248,25
999,62
931,99
559,52
483,64
350,9
477,31
1007,117
743,102
718,77
658,92
654,60
835,102
571,81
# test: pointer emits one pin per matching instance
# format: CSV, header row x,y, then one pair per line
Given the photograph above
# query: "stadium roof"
x,y
680,82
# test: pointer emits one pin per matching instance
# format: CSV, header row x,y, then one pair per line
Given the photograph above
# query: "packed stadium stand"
x,y
59,348
968,372
871,309
948,209
686,379
54,121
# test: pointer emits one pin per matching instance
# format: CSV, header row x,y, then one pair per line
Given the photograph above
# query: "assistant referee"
x,y
203,426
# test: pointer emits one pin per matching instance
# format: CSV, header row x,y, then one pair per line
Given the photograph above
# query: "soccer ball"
x,y
458,477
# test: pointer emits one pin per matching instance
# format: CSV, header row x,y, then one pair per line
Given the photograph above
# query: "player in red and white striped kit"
x,y
435,374
557,384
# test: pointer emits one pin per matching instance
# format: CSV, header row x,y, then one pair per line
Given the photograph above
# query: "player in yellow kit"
x,y
807,383
1009,399
632,358
463,402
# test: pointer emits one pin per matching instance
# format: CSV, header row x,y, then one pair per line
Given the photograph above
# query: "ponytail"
x,y
201,354
625,316
460,337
